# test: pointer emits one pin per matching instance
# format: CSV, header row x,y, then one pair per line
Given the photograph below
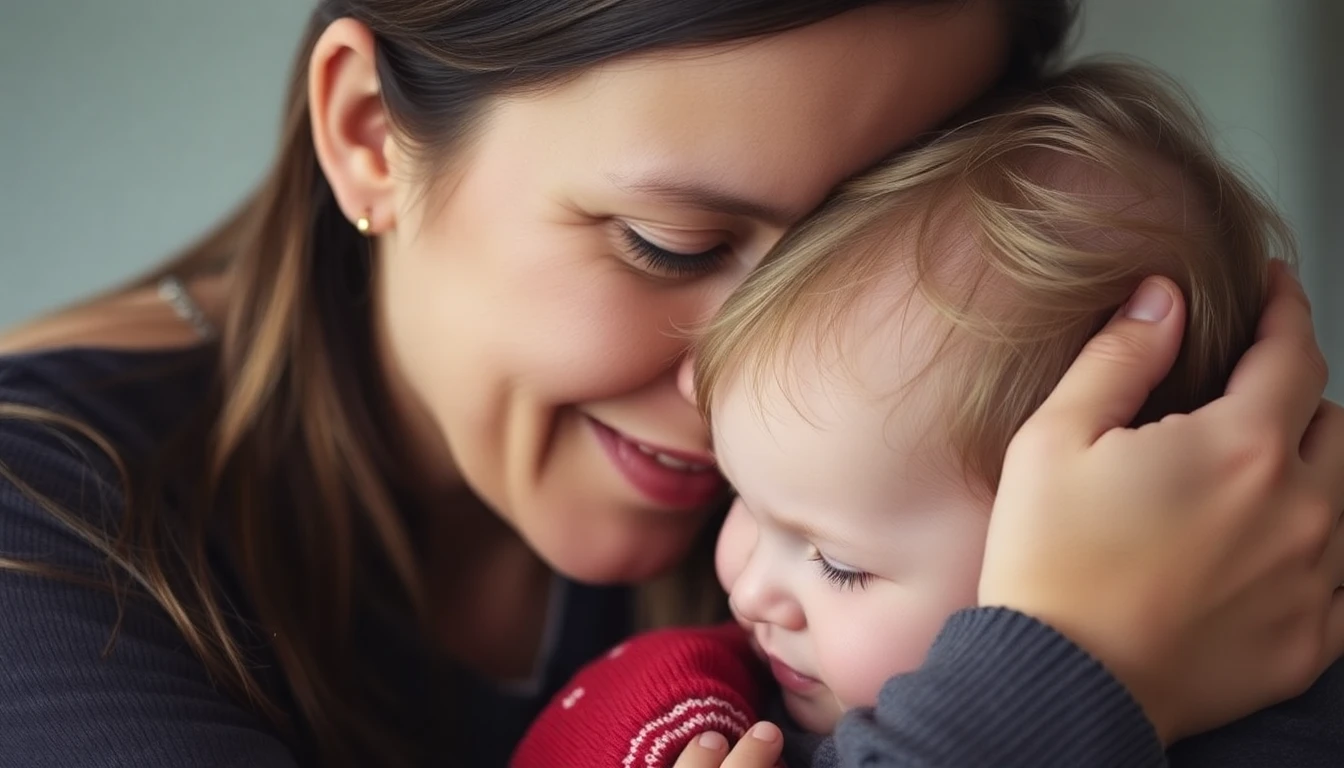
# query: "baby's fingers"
x,y
705,751
760,748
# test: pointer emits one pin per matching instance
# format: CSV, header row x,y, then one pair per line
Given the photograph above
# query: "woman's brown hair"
x,y
295,466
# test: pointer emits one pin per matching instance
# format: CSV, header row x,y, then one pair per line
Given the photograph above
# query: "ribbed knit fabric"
x,y
643,703
1000,688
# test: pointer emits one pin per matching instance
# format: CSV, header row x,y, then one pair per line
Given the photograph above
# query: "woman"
x,y
357,483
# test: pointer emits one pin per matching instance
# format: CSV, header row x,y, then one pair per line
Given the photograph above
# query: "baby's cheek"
x,y
736,540
859,661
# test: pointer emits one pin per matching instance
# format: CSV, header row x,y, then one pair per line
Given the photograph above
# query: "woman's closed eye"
x,y
672,261
839,574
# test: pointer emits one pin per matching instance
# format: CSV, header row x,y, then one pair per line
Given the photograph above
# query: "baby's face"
x,y
855,535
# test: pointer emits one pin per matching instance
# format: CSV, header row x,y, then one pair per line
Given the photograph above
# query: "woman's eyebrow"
x,y
707,197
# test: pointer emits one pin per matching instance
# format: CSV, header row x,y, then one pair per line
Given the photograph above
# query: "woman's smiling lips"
x,y
667,477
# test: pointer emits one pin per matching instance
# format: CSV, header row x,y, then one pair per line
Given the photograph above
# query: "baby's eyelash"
x,y
845,579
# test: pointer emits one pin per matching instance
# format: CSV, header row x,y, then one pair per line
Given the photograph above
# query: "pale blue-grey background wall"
x,y
1269,75
127,126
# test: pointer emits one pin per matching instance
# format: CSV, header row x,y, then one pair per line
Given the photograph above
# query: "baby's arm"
x,y
642,703
1000,688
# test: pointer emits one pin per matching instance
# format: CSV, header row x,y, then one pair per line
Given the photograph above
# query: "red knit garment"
x,y
643,702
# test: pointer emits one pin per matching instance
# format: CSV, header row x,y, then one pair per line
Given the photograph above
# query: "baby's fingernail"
x,y
712,741
767,732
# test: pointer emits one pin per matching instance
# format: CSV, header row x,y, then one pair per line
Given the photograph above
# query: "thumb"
x,y
1120,366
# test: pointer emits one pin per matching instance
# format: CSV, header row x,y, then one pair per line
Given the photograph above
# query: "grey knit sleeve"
x,y
998,689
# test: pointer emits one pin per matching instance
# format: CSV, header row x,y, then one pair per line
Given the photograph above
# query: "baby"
x,y
865,382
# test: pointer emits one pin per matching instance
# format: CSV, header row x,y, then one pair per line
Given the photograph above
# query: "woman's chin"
x,y
592,561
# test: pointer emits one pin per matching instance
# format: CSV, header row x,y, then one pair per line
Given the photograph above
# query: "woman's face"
x,y
533,312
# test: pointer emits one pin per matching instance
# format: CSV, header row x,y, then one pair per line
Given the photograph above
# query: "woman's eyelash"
x,y
845,579
674,263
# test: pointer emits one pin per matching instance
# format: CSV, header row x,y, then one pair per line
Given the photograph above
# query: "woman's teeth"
x,y
672,462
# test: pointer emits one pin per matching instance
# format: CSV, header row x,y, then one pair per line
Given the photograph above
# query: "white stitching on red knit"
x,y
722,713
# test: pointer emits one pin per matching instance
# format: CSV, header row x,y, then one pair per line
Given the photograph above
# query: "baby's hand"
x,y
760,748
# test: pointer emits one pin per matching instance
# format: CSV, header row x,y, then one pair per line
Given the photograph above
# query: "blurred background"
x,y
127,127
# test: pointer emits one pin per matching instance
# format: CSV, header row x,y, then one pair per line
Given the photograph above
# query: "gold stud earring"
x,y
363,225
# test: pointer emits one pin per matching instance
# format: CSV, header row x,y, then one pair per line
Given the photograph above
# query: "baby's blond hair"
x,y
1049,251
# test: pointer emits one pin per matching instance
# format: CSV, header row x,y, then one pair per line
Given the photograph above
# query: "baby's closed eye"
x,y
840,574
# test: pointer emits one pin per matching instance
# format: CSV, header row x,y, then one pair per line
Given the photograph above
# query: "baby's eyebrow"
x,y
801,528
806,530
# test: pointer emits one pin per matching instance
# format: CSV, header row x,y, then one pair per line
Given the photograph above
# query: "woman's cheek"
x,y
599,335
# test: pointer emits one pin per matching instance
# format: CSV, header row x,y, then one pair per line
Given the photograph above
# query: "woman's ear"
x,y
351,131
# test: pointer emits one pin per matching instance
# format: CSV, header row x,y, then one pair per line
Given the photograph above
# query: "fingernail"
x,y
1150,303
766,732
712,741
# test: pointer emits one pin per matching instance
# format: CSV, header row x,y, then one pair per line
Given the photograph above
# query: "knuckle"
x,y
1328,423
1323,510
1259,465
1299,296
1279,444
1040,437
1264,454
1120,348
1310,530
1176,420
1318,504
1315,360
1326,516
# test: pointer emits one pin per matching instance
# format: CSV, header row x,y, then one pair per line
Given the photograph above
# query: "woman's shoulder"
x,y
129,398
71,419
93,670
